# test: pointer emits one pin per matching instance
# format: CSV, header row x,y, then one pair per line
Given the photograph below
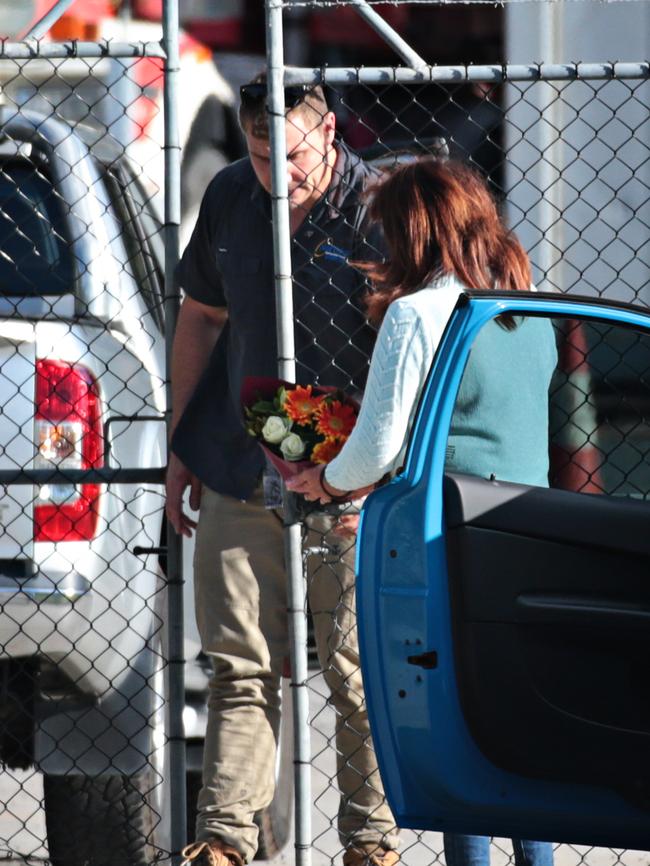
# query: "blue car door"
x,y
504,624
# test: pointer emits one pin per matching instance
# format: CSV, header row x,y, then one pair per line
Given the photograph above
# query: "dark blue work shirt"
x,y
229,263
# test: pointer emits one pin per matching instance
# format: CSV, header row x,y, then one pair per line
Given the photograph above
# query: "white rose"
x,y
275,429
292,447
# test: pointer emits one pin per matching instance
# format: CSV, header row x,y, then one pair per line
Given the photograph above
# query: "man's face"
x,y
310,157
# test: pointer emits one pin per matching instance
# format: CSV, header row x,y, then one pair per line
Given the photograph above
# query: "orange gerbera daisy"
x,y
300,405
326,451
336,419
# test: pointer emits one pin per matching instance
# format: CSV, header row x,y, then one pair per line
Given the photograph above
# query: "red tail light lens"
x,y
67,433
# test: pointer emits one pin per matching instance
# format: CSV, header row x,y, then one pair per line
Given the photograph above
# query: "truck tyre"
x,y
101,820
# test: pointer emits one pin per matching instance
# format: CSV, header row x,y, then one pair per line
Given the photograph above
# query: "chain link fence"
x,y
84,663
83,645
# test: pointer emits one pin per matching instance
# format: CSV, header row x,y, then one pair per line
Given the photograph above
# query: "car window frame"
x,y
131,204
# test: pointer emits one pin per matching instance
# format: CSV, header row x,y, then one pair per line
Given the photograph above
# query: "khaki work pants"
x,y
241,607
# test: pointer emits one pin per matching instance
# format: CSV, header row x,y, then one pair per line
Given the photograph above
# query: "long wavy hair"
x,y
440,218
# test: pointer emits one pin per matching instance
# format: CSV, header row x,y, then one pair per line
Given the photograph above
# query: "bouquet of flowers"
x,y
297,426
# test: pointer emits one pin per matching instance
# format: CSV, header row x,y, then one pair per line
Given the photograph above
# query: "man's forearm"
x,y
197,331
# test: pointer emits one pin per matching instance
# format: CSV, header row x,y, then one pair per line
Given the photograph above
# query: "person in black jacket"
x,y
226,331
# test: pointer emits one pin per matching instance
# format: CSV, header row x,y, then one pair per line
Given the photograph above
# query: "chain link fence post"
x,y
296,595
175,577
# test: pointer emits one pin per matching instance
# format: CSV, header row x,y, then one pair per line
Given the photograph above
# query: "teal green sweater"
x,y
500,423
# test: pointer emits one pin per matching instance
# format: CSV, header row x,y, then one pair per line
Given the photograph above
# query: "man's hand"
x,y
197,331
347,525
178,478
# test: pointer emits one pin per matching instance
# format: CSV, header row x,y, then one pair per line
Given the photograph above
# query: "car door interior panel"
x,y
551,629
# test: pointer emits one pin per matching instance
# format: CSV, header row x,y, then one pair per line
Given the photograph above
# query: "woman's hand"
x,y
311,484
308,484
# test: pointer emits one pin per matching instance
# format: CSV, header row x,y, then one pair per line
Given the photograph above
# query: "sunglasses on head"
x,y
253,95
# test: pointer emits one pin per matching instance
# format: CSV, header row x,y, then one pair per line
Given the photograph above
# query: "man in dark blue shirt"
x,y
227,331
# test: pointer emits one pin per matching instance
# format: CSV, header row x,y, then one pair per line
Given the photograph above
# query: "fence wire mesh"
x,y
82,372
83,664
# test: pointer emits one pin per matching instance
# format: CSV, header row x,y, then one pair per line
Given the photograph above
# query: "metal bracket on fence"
x,y
149,551
314,551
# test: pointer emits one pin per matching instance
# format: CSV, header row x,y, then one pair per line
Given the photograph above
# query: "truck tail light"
x,y
67,433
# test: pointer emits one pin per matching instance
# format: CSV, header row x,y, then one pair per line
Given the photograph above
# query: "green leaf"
x,y
263,407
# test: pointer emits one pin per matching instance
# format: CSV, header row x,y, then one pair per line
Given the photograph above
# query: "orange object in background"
x,y
68,28
82,21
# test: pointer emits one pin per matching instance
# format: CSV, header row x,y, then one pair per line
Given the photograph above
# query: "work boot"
x,y
212,853
370,854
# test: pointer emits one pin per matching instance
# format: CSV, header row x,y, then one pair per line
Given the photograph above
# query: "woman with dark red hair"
x,y
443,235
